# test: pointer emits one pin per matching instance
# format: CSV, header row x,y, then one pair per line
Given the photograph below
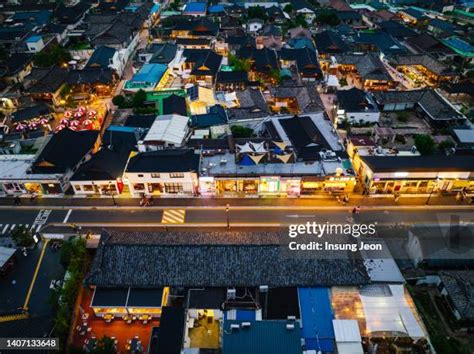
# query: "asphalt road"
x,y
238,216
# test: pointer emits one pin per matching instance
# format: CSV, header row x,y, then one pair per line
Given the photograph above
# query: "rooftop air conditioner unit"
x,y
245,324
263,288
290,326
234,327
291,318
231,294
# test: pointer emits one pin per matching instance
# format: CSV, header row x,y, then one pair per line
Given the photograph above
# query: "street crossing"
x,y
39,221
173,216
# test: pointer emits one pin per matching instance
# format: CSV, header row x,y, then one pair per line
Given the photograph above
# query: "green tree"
x,y
120,101
175,5
239,64
138,99
446,144
256,12
105,345
275,75
327,17
56,55
239,131
425,144
402,116
22,237
288,8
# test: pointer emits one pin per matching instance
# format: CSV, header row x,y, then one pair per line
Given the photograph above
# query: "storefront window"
x,y
139,187
250,186
174,187
269,185
88,188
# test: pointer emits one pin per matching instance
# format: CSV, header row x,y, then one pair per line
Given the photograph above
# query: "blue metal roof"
x,y
216,9
155,8
316,316
33,39
150,73
195,7
262,337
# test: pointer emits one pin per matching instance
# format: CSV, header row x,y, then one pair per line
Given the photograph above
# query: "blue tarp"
x,y
317,316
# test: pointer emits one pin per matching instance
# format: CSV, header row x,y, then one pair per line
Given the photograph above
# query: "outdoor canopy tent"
x,y
389,311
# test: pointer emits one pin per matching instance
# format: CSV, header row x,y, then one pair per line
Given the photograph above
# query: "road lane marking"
x,y
41,219
35,275
173,216
67,216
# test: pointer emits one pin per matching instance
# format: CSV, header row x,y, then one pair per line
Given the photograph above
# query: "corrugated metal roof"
x,y
317,316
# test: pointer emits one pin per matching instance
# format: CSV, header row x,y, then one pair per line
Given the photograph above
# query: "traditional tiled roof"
x,y
425,60
307,97
369,66
65,150
251,105
144,260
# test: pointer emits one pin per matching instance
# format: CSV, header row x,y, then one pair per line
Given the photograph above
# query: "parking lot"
x,y
16,287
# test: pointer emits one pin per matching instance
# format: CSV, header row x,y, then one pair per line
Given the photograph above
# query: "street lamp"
x,y
227,215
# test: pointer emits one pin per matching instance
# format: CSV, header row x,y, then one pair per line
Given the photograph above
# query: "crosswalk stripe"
x,y
38,228
173,216
13,226
5,228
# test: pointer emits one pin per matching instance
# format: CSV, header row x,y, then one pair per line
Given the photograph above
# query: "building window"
x,y
88,188
77,187
140,175
155,175
139,186
176,175
173,188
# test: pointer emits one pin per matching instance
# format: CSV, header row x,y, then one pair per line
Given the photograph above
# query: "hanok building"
x,y
50,171
437,110
264,62
250,104
232,80
422,69
303,60
90,80
425,43
295,99
203,64
366,71
46,84
357,106
164,172
103,173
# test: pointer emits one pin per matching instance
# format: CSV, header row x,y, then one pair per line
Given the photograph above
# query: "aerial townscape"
x,y
237,176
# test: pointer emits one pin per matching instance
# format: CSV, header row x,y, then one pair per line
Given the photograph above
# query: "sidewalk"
x,y
326,201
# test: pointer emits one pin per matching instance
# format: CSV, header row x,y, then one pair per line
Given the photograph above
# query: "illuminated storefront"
x,y
417,174
109,303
